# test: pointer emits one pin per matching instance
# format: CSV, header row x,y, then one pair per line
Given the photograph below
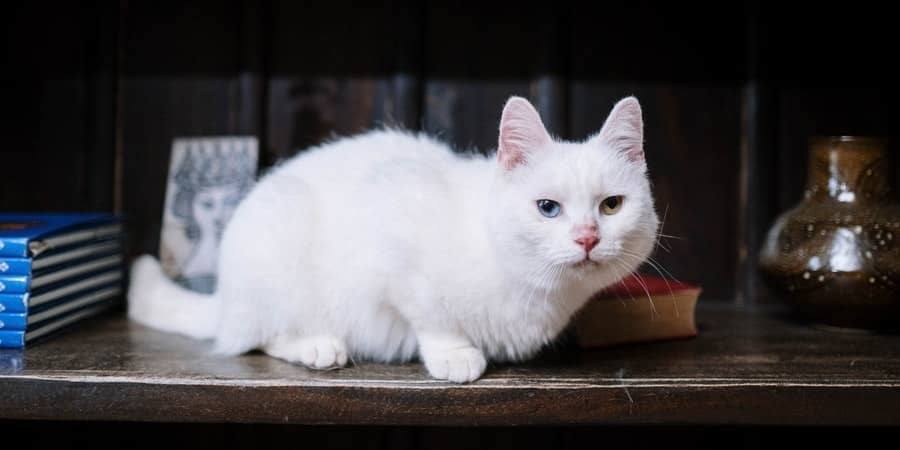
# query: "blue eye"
x,y
548,208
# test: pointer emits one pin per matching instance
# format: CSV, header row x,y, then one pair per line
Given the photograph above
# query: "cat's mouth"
x,y
585,263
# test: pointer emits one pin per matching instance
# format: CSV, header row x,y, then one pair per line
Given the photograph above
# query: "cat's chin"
x,y
586,268
586,264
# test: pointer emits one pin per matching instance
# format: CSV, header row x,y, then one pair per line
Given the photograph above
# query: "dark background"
x,y
96,91
133,436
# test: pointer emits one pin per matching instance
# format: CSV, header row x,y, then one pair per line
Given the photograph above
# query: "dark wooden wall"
x,y
730,92
58,89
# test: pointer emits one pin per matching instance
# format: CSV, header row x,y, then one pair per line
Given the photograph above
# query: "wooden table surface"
x,y
746,367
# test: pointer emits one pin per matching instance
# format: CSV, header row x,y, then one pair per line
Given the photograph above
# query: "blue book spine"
x,y
13,303
14,284
13,321
12,339
15,266
14,247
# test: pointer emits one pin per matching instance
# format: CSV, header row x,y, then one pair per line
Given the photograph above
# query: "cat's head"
x,y
581,210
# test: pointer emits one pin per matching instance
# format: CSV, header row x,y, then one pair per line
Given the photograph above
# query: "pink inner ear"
x,y
624,129
521,132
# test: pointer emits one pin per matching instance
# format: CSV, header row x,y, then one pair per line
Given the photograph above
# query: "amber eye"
x,y
611,205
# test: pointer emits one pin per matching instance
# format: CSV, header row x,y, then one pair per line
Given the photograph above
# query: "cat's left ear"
x,y
624,130
521,133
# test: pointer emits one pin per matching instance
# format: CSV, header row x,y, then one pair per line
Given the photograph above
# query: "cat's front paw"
x,y
459,365
317,352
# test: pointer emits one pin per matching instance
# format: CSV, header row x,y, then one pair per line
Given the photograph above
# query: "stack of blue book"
x,y
56,269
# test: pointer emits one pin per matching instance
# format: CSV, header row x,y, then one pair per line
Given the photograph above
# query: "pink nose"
x,y
588,242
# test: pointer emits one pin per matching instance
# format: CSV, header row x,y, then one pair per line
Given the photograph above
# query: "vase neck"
x,y
848,170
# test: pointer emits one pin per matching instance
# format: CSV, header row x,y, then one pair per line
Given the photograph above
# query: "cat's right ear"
x,y
521,133
624,131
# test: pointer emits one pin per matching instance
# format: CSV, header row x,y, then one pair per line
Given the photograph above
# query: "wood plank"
x,y
101,73
758,186
520,51
339,68
746,367
58,137
758,189
184,74
689,88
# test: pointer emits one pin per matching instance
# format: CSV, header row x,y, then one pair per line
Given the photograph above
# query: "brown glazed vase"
x,y
835,257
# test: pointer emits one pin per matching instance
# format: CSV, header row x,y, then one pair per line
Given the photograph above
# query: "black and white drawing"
x,y
207,179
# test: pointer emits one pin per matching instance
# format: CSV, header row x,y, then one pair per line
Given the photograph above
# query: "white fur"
x,y
388,245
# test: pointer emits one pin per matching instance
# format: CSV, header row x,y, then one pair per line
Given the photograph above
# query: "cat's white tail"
x,y
156,301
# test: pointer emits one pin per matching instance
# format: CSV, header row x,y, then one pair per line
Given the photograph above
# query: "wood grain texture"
x,y
58,91
689,88
183,75
688,131
339,68
746,367
757,190
493,55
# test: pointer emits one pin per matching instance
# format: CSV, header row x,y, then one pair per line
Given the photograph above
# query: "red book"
x,y
638,309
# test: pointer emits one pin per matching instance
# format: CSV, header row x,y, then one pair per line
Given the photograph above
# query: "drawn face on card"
x,y
208,177
213,206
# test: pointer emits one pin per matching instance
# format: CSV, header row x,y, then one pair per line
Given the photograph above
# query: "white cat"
x,y
388,245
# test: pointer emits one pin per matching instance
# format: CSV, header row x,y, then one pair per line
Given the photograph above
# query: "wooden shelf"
x,y
746,367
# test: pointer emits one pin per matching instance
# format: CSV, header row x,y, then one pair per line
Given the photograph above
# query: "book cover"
x,y
645,285
19,284
23,303
19,338
15,284
13,321
15,266
34,319
26,235
14,303
58,258
12,339
638,309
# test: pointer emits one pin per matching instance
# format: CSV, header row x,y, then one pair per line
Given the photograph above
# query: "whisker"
x,y
646,291
665,216
650,260
659,230
669,236
661,270
668,274
543,278
547,275
662,246
668,286
555,274
536,272
627,274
